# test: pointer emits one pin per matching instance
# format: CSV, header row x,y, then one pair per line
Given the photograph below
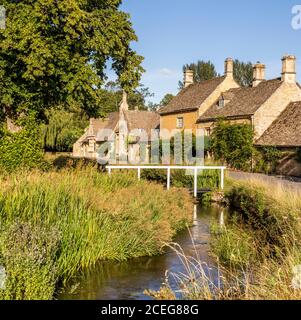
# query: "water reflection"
x,y
128,280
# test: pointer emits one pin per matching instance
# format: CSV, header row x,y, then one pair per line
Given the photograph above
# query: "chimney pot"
x,y
188,78
258,73
289,69
229,67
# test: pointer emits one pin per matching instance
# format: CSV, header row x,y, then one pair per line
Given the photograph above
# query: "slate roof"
x,y
243,102
285,131
135,119
190,98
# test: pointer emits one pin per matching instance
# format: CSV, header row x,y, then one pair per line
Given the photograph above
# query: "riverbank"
x,y
257,251
262,239
56,223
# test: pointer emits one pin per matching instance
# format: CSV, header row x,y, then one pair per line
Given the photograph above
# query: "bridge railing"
x,y
195,170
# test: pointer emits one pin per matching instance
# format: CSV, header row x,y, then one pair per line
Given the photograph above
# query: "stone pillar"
x,y
229,67
258,73
188,78
289,69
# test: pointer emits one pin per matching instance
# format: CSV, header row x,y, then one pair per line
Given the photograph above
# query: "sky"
x,y
172,33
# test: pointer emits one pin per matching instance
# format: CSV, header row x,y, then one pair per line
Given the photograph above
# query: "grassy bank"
x,y
258,252
53,224
262,239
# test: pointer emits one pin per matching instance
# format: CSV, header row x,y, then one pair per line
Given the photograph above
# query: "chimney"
x,y
258,73
188,78
289,69
124,103
229,67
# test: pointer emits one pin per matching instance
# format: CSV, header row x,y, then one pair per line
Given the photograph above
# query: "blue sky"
x,y
174,32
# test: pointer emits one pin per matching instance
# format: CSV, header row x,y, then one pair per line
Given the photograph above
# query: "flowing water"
x,y
128,280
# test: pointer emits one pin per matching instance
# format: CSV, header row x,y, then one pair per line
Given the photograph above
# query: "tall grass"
x,y
55,223
258,252
263,237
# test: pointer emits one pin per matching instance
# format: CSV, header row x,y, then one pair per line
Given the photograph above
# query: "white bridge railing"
x,y
195,170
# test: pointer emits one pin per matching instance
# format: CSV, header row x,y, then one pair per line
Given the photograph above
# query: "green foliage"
x,y
63,130
49,231
203,70
180,178
111,96
266,159
28,252
233,144
243,73
272,221
22,149
55,53
166,99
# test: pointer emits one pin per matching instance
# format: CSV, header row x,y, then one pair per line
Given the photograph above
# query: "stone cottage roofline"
x,y
285,131
190,98
244,101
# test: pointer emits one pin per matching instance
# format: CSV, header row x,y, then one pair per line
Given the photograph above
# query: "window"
x,y
180,122
221,102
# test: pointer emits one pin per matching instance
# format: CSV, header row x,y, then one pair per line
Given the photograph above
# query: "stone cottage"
x,y
127,131
272,107
195,99
258,105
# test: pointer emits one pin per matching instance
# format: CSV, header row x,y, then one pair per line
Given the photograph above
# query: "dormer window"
x,y
221,102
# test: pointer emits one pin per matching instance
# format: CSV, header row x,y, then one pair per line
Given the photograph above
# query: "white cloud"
x,y
165,72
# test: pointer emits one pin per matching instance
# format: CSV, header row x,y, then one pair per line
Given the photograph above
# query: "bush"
x,y
266,159
233,144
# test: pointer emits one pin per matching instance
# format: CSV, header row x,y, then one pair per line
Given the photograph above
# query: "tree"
x,y
111,96
243,73
202,71
166,99
55,53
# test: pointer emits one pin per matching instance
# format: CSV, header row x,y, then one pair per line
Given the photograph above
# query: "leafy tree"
x,y
233,144
243,73
55,53
203,70
166,99
21,149
111,97
63,130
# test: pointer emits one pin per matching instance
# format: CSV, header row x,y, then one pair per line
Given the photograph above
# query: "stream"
x,y
128,280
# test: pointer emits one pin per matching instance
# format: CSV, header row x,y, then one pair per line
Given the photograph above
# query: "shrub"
x,y
266,159
233,144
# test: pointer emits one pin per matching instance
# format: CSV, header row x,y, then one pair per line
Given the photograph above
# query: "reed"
x,y
54,224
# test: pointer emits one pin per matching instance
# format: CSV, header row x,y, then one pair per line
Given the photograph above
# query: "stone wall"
x,y
274,106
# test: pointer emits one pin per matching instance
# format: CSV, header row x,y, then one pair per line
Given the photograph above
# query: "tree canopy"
x,y
56,52
202,70
205,70
166,99
243,73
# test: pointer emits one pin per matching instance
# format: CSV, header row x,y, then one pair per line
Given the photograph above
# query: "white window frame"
x,y
178,122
